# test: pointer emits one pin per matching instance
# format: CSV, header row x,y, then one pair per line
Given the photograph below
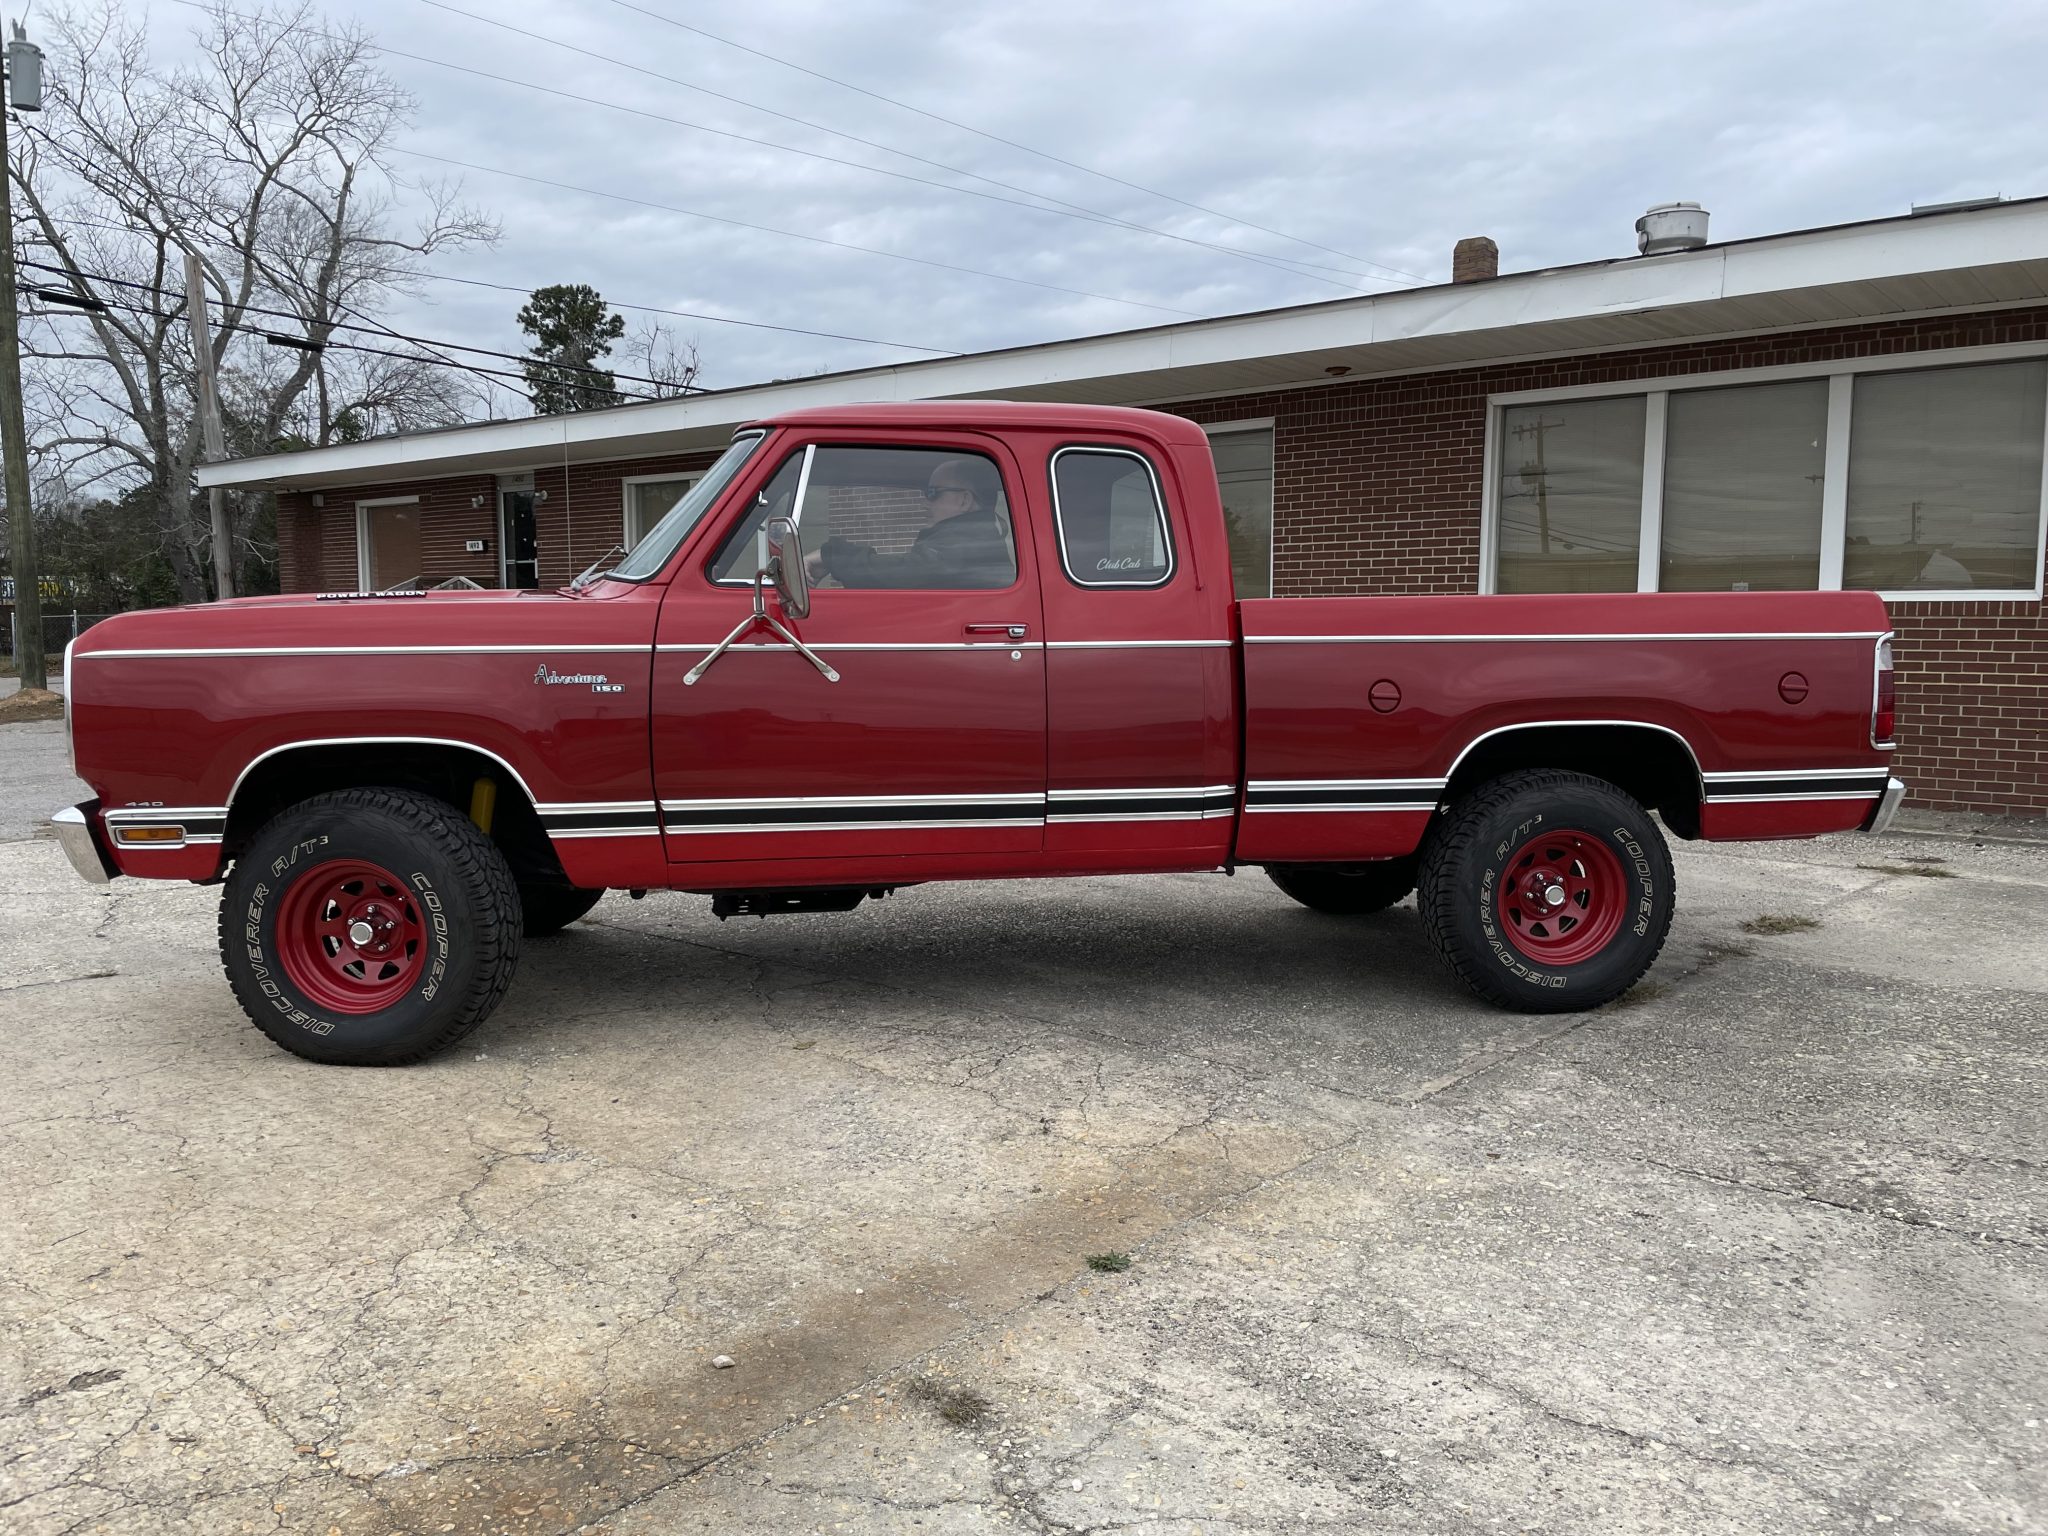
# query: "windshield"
x,y
652,552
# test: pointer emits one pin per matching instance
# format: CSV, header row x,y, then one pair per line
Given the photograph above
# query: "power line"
x,y
1011,143
333,346
529,86
1060,206
790,234
648,309
342,325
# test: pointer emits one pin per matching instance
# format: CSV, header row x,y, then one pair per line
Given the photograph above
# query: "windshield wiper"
x,y
598,567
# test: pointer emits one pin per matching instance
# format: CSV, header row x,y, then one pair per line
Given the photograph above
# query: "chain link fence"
x,y
60,628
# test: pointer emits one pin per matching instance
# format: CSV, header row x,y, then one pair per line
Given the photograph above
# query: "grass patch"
x,y
1109,1263
1780,922
955,1404
1924,871
8,668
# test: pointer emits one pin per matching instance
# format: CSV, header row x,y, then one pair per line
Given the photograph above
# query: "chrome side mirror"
x,y
782,566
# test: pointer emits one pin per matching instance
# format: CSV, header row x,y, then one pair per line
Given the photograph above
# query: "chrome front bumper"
x,y
77,836
1887,806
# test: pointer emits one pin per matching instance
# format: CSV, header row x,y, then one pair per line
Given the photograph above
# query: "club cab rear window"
x,y
1112,524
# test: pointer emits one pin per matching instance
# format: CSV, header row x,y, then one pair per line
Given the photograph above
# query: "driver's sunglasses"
x,y
934,492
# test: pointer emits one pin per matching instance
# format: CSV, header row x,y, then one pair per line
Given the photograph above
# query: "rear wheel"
x,y
369,927
1345,890
1547,892
551,908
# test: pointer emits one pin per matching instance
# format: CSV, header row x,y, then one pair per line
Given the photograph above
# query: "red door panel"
x,y
930,744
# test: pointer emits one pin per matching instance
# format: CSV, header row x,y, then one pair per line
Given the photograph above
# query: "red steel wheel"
x,y
1562,896
350,937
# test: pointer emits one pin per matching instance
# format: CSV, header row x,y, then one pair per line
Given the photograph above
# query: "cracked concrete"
x,y
1760,1251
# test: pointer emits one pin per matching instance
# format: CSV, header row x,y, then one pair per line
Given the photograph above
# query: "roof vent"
x,y
1671,227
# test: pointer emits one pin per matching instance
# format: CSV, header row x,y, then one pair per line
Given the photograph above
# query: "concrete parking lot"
x,y
1759,1249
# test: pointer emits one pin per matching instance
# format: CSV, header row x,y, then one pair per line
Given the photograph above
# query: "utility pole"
x,y
1539,472
25,72
211,436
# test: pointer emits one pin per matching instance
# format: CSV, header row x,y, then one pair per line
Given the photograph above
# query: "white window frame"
x,y
1258,424
688,477
1059,528
1841,375
363,509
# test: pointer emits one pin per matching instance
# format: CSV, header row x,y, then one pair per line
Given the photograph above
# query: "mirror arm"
x,y
760,615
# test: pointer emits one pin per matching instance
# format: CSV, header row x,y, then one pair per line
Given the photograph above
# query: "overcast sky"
x,y
1383,132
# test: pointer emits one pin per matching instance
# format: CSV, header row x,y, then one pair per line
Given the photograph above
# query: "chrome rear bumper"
x,y
1887,806
78,837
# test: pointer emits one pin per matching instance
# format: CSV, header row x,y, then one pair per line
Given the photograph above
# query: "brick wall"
x,y
1377,489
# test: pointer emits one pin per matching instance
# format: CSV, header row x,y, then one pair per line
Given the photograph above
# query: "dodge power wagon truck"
x,y
880,645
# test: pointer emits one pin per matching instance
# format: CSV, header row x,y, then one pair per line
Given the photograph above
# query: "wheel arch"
x,y
1654,764
445,768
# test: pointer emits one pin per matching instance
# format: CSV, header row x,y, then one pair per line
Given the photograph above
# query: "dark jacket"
x,y
964,551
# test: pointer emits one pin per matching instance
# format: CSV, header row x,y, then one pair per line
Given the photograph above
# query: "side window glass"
x,y
898,518
1112,522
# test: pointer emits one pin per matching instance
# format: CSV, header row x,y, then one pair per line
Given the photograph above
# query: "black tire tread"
x,y
497,927
1453,835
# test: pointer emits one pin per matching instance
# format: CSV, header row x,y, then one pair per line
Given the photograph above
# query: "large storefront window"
x,y
1570,496
1742,481
1244,472
1905,480
1945,479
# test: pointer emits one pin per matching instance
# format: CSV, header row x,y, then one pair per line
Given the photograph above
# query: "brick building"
x,y
1864,405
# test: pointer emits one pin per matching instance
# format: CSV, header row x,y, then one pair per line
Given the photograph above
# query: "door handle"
x,y
1008,631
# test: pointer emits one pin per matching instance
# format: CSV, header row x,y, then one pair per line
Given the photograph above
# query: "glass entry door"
x,y
519,564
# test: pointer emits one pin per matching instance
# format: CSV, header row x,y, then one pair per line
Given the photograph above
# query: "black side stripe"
x,y
1737,789
590,821
1183,802
1269,799
800,816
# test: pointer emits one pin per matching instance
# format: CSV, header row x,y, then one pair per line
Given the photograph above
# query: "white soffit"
x,y
1968,259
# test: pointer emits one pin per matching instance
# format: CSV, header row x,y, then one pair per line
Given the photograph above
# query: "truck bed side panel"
x,y
1358,710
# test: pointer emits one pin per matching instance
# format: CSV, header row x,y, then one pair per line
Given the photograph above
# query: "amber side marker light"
x,y
173,834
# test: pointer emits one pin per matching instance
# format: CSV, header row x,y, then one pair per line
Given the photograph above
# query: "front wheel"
x,y
1547,892
369,927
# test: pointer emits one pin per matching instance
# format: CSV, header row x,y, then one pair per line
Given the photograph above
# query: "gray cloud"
x,y
1379,130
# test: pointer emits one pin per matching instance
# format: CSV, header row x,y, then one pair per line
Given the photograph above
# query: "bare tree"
x,y
267,160
656,353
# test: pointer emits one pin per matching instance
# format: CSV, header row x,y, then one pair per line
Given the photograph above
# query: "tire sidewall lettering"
x,y
259,941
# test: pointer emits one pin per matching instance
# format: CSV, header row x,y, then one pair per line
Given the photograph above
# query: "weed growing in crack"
x,y
1780,922
1109,1263
1925,871
955,1404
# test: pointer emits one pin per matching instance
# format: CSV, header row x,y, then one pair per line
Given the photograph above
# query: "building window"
x,y
648,500
388,550
1742,487
1945,479
1908,476
1244,474
1570,496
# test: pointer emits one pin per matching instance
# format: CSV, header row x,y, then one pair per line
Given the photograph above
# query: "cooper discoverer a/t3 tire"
x,y
1546,891
369,927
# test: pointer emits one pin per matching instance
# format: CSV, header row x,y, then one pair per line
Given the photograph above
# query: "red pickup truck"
x,y
880,645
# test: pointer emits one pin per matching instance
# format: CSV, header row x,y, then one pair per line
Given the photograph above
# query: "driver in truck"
x,y
964,545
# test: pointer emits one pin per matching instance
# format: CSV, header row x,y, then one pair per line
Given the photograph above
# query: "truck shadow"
x,y
1164,963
